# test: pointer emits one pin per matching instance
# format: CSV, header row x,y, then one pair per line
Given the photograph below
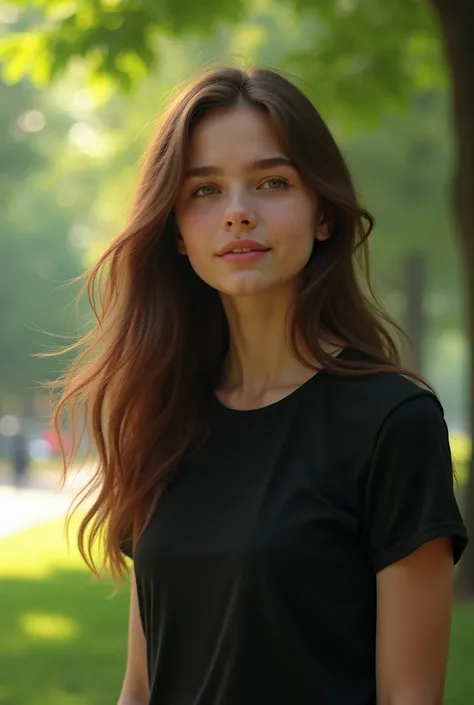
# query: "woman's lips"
x,y
244,257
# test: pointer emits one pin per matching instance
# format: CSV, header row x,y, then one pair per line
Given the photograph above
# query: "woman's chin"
x,y
246,284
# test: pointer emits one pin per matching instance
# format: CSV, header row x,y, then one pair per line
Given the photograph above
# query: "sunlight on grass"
x,y
56,696
55,627
62,639
36,552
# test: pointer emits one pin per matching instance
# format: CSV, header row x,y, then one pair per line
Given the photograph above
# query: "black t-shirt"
x,y
256,577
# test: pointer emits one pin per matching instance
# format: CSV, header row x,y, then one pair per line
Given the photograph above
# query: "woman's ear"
x,y
323,230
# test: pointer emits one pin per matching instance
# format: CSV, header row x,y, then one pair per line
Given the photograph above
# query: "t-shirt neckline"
x,y
287,399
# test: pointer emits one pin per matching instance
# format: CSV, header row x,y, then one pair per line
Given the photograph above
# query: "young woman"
x,y
283,486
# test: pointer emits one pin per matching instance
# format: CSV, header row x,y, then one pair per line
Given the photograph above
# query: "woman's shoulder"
x,y
372,398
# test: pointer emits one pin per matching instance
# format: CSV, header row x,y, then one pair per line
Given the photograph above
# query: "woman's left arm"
x,y
414,604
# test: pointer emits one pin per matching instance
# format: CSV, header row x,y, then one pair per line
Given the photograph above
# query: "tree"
x,y
36,255
361,58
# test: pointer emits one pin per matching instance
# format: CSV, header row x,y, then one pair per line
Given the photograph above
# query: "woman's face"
x,y
242,193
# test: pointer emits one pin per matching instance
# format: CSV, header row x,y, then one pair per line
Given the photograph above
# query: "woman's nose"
x,y
239,216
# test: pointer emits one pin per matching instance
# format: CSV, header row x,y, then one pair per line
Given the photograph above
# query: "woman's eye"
x,y
275,184
204,191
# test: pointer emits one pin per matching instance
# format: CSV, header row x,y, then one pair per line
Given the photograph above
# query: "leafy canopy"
x,y
356,53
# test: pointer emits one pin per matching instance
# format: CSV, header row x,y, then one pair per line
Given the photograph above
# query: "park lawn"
x,y
62,638
63,641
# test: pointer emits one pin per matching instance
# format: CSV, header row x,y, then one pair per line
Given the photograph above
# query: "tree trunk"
x,y
456,18
414,325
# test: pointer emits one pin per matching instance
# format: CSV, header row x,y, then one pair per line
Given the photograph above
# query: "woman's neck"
x,y
260,359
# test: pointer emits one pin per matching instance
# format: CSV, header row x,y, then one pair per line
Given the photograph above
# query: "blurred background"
x,y
82,83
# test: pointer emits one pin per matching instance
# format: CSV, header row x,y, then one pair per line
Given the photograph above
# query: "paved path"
x,y
39,501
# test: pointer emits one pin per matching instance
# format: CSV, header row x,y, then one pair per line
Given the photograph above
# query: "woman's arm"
x,y
135,689
130,699
414,603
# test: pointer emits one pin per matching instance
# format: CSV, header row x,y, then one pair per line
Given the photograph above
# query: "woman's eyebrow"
x,y
259,164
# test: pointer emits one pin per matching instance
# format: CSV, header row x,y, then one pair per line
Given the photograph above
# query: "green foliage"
x,y
114,37
17,152
36,256
403,171
368,55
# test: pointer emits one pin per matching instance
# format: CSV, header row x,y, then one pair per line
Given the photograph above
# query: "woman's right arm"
x,y
135,688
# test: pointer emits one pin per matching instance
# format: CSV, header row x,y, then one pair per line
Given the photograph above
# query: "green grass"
x,y
63,641
460,682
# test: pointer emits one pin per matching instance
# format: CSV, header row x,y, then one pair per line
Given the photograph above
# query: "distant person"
x,y
20,459
284,486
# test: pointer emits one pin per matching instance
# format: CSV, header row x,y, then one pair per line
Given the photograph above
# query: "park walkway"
x,y
39,501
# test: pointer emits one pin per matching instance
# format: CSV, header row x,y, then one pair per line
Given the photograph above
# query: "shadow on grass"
x,y
62,640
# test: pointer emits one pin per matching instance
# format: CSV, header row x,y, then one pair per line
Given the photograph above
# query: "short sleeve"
x,y
409,495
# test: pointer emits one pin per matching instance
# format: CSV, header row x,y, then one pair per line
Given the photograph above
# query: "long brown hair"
x,y
146,373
